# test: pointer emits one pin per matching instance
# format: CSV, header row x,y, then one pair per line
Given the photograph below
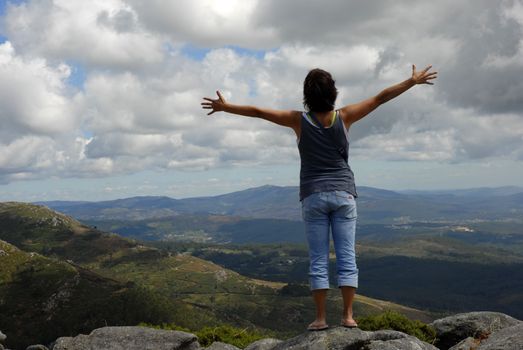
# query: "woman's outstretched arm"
x,y
354,112
286,118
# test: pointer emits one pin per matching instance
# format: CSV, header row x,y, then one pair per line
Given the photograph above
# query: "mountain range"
x,y
274,202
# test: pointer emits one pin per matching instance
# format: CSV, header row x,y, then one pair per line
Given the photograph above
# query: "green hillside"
x,y
200,293
433,274
43,298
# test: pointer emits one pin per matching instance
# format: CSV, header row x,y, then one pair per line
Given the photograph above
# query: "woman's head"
x,y
319,91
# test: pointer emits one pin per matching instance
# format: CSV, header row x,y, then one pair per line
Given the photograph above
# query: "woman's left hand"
x,y
424,76
216,105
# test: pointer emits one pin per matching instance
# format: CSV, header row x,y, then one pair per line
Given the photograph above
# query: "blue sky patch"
x,y
198,53
78,74
259,54
194,52
87,134
3,4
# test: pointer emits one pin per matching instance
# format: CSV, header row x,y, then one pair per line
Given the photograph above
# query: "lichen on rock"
x,y
479,325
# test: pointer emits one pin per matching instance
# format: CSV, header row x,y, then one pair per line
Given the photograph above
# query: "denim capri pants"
x,y
333,211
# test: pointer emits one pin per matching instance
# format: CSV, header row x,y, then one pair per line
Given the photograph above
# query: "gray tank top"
x,y
324,154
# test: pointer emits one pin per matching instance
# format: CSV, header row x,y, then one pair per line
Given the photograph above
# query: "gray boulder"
x,y
510,338
263,344
340,338
37,347
466,344
2,338
129,338
394,340
218,345
453,329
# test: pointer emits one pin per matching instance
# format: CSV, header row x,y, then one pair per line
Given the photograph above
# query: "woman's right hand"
x,y
216,105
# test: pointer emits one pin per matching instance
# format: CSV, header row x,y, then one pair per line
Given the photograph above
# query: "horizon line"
x,y
401,191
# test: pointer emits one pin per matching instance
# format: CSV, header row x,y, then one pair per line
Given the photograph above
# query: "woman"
x,y
327,189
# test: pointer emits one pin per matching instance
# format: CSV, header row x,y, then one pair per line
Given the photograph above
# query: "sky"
x,y
100,99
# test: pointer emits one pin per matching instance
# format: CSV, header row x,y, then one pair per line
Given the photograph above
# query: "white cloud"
x,y
96,32
140,103
132,145
346,62
34,98
206,23
125,102
458,136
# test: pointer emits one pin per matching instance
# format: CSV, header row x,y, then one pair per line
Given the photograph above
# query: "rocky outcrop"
x,y
263,344
37,347
510,338
477,325
467,331
337,338
129,338
340,338
2,338
466,344
217,345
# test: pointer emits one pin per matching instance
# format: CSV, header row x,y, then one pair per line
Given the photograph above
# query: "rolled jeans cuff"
x,y
319,284
348,282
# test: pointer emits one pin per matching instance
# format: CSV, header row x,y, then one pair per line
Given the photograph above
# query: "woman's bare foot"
x,y
318,325
349,322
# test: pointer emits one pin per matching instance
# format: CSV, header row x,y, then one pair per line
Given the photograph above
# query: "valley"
x,y
444,238
241,259
140,283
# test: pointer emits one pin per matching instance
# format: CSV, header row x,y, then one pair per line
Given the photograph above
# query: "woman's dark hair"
x,y
319,91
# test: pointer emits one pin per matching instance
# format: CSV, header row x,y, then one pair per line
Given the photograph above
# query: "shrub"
x,y
396,321
240,337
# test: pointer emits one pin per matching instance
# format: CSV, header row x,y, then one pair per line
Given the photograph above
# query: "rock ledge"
x,y
465,331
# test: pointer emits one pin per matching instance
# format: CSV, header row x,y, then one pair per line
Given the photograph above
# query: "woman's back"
x,y
324,157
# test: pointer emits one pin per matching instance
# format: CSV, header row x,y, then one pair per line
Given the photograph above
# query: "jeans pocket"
x,y
305,203
344,194
346,205
312,206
